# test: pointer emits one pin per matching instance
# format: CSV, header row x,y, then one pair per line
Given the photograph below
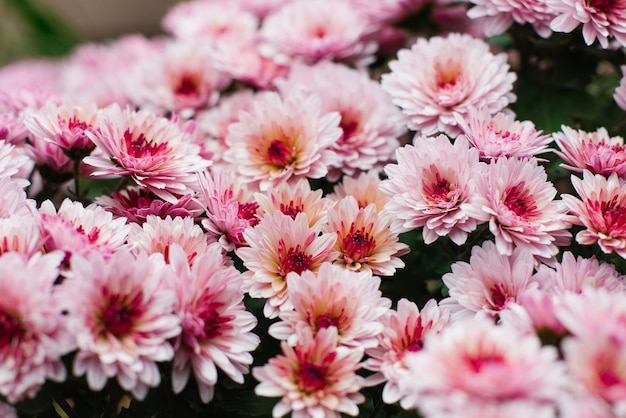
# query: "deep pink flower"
x,y
498,15
216,328
440,76
316,378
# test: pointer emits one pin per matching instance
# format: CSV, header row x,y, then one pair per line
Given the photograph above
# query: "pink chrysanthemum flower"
x,y
316,378
331,30
490,282
371,124
601,209
517,199
474,364
600,19
498,15
277,246
260,8
593,151
136,203
123,316
281,139
216,328
230,208
151,150
440,76
295,198
33,335
157,235
364,188
430,186
64,126
348,301
10,161
49,158
388,11
76,229
500,135
404,332
19,228
364,241
620,92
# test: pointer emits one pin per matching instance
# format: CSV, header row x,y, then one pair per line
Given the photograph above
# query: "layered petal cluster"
x,y
333,297
500,135
601,20
517,199
316,378
278,245
498,15
593,151
601,209
19,226
10,161
430,186
476,365
33,333
283,138
332,30
122,315
364,241
365,189
151,150
441,76
405,330
216,328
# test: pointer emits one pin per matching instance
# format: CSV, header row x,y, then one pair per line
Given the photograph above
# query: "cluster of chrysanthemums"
x,y
215,133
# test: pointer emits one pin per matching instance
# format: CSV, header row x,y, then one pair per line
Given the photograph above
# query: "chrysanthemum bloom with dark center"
x,y
216,328
152,151
123,317
440,76
277,246
316,378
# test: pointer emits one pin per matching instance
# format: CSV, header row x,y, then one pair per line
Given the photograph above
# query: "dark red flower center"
x,y
519,201
279,154
187,86
11,329
476,364
119,315
499,297
349,125
291,209
247,211
92,235
214,323
325,321
140,147
312,377
357,244
295,260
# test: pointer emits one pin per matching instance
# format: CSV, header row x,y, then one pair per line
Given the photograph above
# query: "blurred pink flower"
x,y
620,92
11,161
123,316
364,188
499,15
216,328
439,77
593,151
7,411
33,335
279,245
500,135
517,199
388,11
316,378
348,301
430,186
601,209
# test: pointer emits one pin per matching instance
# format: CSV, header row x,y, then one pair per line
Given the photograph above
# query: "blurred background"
x,y
31,28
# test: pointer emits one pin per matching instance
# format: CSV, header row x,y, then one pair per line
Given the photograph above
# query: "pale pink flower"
x,y
316,378
364,188
123,316
283,138
601,209
21,234
388,11
293,198
517,199
260,8
371,124
333,297
593,151
364,241
620,92
499,15
474,364
49,158
513,409
33,336
279,245
580,405
331,30
137,203
157,235
10,161
230,208
490,282
39,75
500,135
216,328
7,411
181,79
405,330
600,19
13,201
75,229
430,186
439,77
151,150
